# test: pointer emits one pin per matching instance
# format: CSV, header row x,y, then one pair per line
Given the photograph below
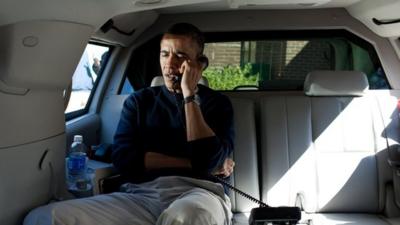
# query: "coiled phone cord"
x,y
251,198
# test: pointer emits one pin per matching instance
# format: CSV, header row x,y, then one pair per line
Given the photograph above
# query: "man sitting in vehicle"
x,y
169,141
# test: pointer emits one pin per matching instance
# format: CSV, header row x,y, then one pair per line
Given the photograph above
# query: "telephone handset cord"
x,y
251,198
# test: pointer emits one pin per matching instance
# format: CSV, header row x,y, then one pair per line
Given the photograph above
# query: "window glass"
x,y
86,75
284,64
126,87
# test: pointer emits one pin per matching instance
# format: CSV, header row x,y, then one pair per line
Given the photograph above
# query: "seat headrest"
x,y
159,80
336,83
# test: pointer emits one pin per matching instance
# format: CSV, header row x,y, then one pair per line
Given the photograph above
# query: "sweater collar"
x,y
171,95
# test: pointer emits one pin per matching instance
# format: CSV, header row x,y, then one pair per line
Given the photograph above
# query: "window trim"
x,y
81,112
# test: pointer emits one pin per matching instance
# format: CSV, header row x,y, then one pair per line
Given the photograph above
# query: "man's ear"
x,y
204,61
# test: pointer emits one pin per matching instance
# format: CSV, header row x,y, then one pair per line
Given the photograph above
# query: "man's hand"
x,y
226,169
191,73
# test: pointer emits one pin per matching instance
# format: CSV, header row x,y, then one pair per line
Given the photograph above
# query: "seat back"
x,y
245,175
319,152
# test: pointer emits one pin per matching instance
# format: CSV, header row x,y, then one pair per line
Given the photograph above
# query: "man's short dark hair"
x,y
189,30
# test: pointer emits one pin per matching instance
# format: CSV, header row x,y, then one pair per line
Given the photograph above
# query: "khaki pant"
x,y
164,201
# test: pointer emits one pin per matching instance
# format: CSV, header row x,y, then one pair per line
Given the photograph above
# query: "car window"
x,y
126,87
284,64
85,77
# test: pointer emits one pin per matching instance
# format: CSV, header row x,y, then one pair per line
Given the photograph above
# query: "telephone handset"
x,y
203,60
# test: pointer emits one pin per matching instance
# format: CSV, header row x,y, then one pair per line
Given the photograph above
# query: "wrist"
x,y
189,92
192,98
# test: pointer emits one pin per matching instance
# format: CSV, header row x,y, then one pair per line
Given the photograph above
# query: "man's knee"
x,y
44,215
195,208
186,213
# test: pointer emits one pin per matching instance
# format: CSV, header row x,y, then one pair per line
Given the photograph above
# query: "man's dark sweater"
x,y
153,120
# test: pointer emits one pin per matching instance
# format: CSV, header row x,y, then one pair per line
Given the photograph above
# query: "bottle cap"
x,y
78,138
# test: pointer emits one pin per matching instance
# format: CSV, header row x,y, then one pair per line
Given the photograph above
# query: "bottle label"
x,y
76,164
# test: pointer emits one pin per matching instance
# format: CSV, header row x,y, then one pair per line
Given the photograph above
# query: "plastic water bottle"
x,y
77,180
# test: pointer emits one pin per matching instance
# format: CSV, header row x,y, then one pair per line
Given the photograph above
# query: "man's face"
x,y
175,49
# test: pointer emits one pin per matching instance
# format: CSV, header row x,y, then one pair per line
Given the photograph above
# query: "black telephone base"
x,y
275,215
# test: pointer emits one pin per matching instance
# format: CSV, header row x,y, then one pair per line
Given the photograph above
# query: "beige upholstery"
x,y
245,176
350,219
316,150
159,80
319,152
335,83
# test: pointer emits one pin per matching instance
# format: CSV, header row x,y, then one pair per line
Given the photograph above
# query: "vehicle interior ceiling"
x,y
41,47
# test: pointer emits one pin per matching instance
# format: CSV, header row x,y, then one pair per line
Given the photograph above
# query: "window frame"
x,y
81,112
